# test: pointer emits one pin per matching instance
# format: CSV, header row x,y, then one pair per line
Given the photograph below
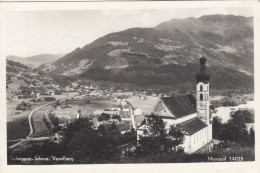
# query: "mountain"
x,y
35,61
168,54
19,75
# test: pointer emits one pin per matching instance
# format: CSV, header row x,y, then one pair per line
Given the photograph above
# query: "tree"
x,y
252,136
81,142
113,129
156,126
101,130
157,140
117,117
23,103
87,145
216,127
104,117
29,106
242,117
176,135
54,119
235,131
212,107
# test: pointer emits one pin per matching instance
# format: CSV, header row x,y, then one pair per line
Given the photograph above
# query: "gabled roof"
x,y
192,126
180,106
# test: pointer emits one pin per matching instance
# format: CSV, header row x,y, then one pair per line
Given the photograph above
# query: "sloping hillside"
x,y
168,54
19,75
35,61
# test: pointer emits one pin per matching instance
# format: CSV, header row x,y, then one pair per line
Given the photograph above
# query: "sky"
x,y
31,33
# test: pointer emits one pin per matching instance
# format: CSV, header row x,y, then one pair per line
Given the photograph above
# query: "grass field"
x,y
39,121
69,114
18,125
145,105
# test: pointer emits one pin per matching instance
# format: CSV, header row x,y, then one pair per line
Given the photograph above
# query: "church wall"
x,y
186,144
191,142
194,142
198,140
209,132
161,110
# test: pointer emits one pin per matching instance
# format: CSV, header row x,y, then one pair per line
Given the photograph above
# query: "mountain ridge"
x,y
225,40
36,60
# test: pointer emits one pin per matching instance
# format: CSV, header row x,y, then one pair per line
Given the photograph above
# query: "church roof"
x,y
192,126
180,106
202,76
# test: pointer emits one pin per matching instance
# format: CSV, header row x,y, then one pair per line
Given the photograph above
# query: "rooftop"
x,y
180,106
192,126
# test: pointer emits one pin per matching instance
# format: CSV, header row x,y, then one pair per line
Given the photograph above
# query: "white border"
x,y
175,167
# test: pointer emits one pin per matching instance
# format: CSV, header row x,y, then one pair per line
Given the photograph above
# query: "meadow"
x,y
145,105
69,114
18,124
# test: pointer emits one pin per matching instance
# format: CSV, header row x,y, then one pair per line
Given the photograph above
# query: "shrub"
x,y
104,117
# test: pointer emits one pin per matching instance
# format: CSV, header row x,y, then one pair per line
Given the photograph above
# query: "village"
x,y
41,112
103,106
125,83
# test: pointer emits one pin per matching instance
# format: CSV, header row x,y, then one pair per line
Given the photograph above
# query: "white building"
x,y
138,111
191,114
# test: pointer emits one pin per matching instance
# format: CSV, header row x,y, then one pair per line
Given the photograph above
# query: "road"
x,y
31,118
132,117
36,119
39,117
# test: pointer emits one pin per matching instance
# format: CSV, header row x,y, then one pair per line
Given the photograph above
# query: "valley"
x,y
105,96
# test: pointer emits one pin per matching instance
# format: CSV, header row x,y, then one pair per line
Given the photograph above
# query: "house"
x,y
191,114
154,95
139,119
250,126
110,112
125,109
118,100
123,103
95,123
14,98
138,112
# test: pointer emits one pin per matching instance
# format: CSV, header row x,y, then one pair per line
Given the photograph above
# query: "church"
x,y
190,113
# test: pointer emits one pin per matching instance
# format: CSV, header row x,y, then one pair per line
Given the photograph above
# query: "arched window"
x,y
201,96
201,87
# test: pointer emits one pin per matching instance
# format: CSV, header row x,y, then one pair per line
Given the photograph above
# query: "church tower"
x,y
202,99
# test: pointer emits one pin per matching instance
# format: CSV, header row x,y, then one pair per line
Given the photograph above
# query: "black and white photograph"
x,y
129,85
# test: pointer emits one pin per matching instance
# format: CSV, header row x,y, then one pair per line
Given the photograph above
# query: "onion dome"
x,y
202,60
202,76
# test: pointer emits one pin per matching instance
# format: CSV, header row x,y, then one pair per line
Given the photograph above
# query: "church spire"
x,y
202,76
202,63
